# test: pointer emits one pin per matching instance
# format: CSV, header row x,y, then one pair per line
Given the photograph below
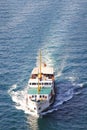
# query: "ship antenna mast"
x,y
40,63
39,75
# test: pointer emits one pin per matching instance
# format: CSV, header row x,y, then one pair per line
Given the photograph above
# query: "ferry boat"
x,y
41,88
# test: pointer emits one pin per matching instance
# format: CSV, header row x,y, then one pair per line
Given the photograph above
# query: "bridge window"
x,y
49,83
32,96
33,83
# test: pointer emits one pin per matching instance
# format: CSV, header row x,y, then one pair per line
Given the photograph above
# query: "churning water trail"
x,y
62,95
18,96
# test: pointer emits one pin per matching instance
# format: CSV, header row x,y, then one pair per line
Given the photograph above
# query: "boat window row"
x,y
50,76
35,96
40,83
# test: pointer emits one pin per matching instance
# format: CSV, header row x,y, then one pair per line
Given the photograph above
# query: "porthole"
x,y
45,96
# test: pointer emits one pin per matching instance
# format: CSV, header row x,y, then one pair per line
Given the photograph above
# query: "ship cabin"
x,y
46,73
41,85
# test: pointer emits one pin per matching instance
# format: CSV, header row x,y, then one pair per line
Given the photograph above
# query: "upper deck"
x,y
47,73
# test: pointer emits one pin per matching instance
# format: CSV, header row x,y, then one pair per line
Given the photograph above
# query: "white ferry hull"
x,y
38,107
41,88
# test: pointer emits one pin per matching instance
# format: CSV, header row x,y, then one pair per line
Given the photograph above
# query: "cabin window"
x,y
46,83
32,96
40,96
34,76
29,96
33,83
45,96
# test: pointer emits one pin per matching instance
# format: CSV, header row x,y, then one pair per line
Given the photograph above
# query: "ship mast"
x,y
40,62
39,74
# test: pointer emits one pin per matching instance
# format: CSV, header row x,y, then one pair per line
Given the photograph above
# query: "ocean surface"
x,y
59,29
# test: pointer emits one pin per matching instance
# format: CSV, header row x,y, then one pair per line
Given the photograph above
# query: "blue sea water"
x,y
59,29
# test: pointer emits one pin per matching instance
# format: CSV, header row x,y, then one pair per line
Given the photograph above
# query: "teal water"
x,y
59,29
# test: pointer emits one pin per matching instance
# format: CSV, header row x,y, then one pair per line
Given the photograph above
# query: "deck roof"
x,y
44,70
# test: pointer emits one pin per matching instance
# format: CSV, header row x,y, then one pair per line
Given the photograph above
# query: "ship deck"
x,y
45,90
